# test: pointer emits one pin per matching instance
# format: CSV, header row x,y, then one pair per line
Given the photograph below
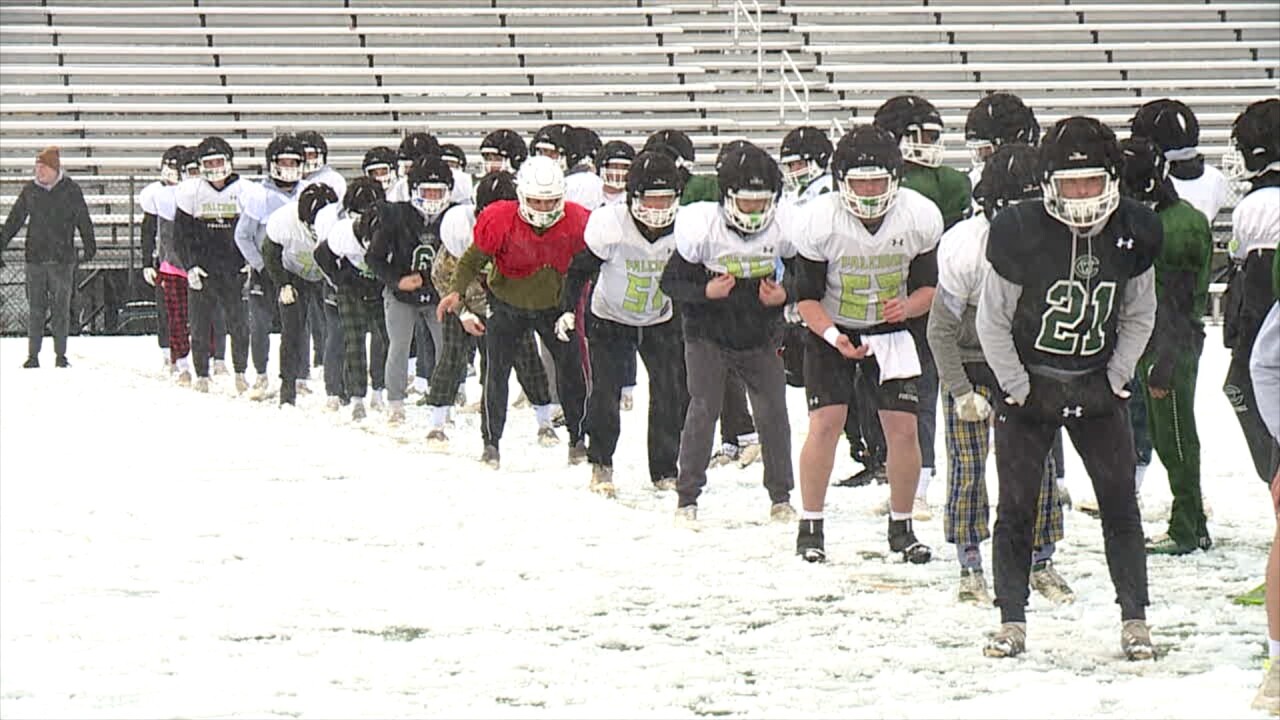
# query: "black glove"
x,y
1161,373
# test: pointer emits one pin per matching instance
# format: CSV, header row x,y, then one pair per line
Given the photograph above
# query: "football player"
x,y
1176,131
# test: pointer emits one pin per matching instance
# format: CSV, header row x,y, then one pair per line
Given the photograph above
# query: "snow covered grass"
x,y
164,553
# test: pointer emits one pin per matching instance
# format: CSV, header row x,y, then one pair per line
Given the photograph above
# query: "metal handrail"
x,y
740,9
787,86
837,130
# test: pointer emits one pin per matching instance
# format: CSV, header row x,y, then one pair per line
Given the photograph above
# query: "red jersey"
x,y
517,250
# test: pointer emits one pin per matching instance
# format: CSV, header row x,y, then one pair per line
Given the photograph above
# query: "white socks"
x,y
899,515
184,364
922,486
544,413
437,417
1139,474
1273,649
810,514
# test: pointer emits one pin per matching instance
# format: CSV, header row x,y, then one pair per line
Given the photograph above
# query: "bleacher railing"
x,y
742,14
787,86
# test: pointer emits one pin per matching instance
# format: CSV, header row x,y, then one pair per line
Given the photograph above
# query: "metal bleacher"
x,y
113,84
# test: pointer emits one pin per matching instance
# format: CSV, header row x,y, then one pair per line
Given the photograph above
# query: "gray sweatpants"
x,y
762,373
49,295
400,318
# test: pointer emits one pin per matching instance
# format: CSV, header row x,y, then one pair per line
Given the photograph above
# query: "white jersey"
x,y
1255,223
260,199
158,199
962,262
703,238
1207,193
865,270
215,209
975,175
613,198
343,243
297,240
399,192
456,229
584,188
464,192
328,176
326,218
821,185
627,289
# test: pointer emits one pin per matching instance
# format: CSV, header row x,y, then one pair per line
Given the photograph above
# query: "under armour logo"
x,y
896,242
1126,243
1077,411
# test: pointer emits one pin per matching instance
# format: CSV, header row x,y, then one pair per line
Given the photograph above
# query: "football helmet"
x,y
363,194
1144,174
454,155
317,151
1171,125
502,150
997,119
678,141
280,151
412,147
171,164
805,154
653,190
552,141
916,124
380,164
430,183
748,175
1080,165
1255,144
312,198
584,143
216,159
866,168
614,162
540,179
1010,175
493,187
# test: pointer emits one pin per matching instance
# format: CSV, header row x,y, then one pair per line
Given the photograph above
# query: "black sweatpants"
x,y
661,347
218,292
1239,391
506,324
735,414
49,288
295,339
1098,423
763,375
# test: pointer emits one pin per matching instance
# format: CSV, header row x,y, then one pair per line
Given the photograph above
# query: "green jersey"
x,y
1187,248
948,188
701,188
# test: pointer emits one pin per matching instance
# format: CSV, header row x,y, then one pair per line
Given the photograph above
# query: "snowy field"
x,y
166,554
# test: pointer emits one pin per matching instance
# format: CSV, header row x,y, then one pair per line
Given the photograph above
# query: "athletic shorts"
x,y
828,379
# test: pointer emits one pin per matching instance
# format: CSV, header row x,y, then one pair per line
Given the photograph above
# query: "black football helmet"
x,y
190,163
584,143
500,185
454,155
553,141
1171,125
653,189
380,164
749,173
216,158
430,183
1144,174
502,151
997,119
916,124
364,225
729,148
614,162
317,151
363,194
1255,143
867,155
285,159
1010,175
312,198
172,169
805,154
412,147
1074,151
678,141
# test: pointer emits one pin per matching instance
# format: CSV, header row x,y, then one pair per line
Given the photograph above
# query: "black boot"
x,y
902,539
809,542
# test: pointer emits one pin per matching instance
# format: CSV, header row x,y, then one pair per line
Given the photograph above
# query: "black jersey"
x,y
405,242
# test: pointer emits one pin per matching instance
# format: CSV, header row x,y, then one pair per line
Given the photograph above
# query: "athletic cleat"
x,y
866,476
490,457
395,413
1268,697
1046,581
437,440
357,411
220,367
973,588
241,384
602,481
300,386
810,545
666,483
1064,497
902,539
748,454
521,401
782,513
202,385
184,379
627,402
547,437
332,403
920,509
728,453
1135,640
31,363
687,516
259,390
1009,641
578,452
1162,544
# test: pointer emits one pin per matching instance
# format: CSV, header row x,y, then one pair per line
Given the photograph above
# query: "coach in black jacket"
x,y
57,210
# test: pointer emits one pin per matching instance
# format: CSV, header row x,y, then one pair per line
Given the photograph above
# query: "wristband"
x,y
831,335
466,315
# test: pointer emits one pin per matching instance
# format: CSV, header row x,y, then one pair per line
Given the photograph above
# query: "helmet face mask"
x,y
171,164
804,156
493,161
979,151
923,146
1255,144
996,120
868,191
749,211
540,192
1081,198
655,208
380,164
315,151
431,198
798,172
750,184
868,167
1080,166
215,167
286,168
614,173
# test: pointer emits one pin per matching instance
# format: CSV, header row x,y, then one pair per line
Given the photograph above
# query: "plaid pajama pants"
x,y
967,517
359,316
451,362
174,288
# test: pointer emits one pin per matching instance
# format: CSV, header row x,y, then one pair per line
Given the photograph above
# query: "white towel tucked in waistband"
x,y
895,354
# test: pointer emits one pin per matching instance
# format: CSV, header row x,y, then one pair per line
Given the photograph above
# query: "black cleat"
x,y
809,542
902,539
865,476
32,362
61,362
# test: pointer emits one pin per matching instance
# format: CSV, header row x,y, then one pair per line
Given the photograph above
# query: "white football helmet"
x,y
540,178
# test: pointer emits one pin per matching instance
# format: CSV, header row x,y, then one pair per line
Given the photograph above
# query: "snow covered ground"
x,y
164,553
